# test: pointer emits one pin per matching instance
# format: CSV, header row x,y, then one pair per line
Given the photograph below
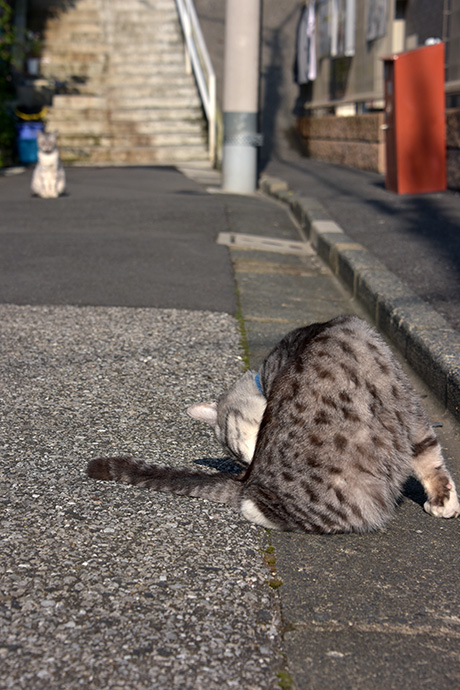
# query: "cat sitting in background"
x,y
48,180
328,430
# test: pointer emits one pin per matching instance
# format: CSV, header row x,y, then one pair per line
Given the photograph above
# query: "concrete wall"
x,y
359,141
341,77
278,92
453,46
424,19
409,24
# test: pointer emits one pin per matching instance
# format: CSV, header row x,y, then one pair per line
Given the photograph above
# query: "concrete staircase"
x,y
128,100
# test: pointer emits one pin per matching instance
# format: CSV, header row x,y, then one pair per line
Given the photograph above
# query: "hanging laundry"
x,y
305,58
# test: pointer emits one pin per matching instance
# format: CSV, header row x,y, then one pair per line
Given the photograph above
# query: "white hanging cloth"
x,y
305,62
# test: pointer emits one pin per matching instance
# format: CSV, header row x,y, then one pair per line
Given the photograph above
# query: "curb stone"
x,y
428,343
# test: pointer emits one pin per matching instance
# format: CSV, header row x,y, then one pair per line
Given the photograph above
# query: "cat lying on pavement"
x,y
328,430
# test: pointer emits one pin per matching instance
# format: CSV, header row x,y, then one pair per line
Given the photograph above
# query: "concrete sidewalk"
x,y
117,313
416,236
398,256
379,611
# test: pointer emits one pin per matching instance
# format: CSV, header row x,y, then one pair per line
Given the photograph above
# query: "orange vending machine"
x,y
415,124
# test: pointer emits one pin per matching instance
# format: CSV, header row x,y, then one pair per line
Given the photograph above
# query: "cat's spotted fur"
x,y
328,440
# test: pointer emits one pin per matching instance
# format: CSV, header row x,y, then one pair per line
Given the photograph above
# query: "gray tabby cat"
x,y
48,180
329,430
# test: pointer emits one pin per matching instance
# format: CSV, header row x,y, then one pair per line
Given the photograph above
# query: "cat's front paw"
x,y
450,508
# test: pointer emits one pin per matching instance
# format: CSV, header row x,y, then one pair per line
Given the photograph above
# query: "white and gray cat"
x,y
48,179
328,430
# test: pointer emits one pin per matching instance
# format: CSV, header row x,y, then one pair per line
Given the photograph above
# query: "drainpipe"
x,y
241,96
20,25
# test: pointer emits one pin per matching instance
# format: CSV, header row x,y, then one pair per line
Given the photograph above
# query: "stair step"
x,y
127,17
127,92
137,156
132,141
176,79
84,5
151,55
64,72
78,102
165,66
123,5
125,72
150,22
85,67
74,30
136,105
73,16
122,47
158,114
123,54
143,33
73,115
162,101
77,51
84,128
80,127
160,126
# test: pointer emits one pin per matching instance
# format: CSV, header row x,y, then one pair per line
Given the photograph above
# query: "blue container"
x,y
27,141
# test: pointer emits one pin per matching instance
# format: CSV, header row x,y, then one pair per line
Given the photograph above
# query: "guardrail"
x,y
198,61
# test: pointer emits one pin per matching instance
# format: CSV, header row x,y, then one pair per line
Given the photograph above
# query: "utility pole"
x,y
241,96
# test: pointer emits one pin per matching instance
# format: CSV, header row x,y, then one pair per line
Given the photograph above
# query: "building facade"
x,y
352,36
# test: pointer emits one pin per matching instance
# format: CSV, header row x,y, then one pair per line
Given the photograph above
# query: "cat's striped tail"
x,y
220,488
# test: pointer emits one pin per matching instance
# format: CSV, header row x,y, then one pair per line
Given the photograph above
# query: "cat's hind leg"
x,y
60,182
35,185
263,507
253,513
429,467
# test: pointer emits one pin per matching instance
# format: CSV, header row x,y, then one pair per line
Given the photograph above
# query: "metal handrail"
x,y
450,87
198,60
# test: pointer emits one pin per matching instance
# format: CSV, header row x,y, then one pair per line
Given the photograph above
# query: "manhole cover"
x,y
239,240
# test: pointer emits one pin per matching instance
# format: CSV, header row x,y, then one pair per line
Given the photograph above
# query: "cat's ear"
x,y
204,412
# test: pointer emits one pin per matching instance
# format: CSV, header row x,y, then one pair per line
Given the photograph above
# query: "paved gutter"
x,y
357,611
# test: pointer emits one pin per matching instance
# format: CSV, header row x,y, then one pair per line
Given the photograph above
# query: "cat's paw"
x,y
450,508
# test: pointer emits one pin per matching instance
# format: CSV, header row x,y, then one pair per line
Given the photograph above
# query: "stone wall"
x,y
359,142
453,148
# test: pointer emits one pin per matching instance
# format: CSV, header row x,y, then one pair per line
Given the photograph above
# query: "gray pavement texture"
x,y
107,334
104,587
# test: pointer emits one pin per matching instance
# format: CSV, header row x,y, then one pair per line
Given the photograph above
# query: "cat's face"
x,y
236,417
46,141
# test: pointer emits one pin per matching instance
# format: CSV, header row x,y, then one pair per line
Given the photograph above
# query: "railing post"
x,y
212,118
188,34
197,60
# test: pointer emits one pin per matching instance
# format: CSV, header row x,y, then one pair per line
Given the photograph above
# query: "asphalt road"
x,y
140,238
